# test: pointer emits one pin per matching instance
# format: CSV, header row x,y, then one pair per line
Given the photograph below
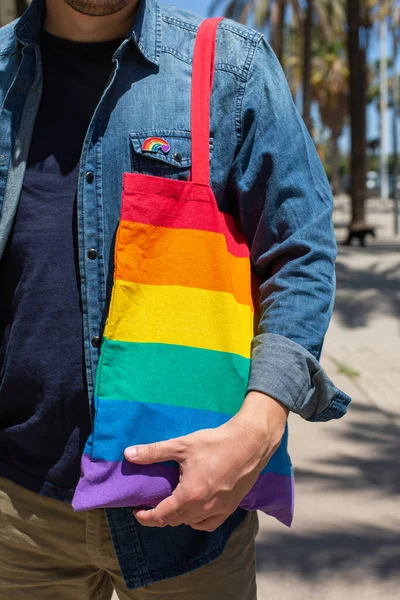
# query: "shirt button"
x,y
96,341
2,159
90,176
178,157
92,254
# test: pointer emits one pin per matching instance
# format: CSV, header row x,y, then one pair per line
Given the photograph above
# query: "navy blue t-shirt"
x,y
44,409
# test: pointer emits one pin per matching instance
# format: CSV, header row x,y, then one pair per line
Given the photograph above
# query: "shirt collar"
x,y
146,30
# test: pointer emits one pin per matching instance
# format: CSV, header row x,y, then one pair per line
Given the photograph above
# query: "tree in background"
x,y
396,112
274,14
330,77
330,89
324,54
307,60
357,22
271,13
314,58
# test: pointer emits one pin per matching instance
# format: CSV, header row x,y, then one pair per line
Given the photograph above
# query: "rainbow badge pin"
x,y
154,144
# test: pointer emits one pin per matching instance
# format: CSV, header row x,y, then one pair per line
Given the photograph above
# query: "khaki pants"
x,y
48,552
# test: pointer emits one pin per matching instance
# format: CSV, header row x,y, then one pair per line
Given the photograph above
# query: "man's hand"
x,y
218,467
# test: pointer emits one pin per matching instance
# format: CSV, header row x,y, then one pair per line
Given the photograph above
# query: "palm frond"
x,y
262,13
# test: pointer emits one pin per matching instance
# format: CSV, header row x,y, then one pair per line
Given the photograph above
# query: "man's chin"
x,y
98,8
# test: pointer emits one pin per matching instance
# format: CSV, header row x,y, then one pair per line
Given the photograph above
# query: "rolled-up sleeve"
x,y
285,206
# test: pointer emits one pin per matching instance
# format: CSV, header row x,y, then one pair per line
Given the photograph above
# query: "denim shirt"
x,y
264,169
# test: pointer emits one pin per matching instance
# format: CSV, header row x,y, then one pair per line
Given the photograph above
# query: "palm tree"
x,y
274,13
331,19
330,89
307,58
324,25
396,114
356,13
265,12
329,83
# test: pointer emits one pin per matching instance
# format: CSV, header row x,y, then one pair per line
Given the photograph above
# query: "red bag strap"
x,y
202,82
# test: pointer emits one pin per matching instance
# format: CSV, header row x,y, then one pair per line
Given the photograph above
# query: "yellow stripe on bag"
x,y
179,315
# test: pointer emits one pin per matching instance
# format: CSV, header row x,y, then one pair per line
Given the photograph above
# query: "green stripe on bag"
x,y
175,375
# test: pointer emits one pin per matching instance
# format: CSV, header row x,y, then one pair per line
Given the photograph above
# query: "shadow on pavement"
x,y
363,292
375,466
328,553
369,461
372,249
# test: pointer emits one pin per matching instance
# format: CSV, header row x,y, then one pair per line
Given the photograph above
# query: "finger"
x,y
156,452
177,521
210,524
167,512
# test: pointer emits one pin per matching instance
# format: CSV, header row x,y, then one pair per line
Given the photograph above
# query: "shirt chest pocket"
x,y
162,153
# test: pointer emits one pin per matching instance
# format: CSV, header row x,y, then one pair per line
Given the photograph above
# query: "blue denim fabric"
x,y
265,169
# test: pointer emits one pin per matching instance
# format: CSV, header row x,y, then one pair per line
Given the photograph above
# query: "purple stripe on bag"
x,y
111,484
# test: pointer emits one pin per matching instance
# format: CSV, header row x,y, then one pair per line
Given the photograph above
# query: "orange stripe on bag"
x,y
166,264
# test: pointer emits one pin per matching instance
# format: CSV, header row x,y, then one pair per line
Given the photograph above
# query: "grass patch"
x,y
345,369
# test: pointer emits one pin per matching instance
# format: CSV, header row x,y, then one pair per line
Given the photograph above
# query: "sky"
x,y
201,7
197,6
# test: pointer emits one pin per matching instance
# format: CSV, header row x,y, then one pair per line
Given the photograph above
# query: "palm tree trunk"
x,y
358,107
396,114
335,163
308,32
278,32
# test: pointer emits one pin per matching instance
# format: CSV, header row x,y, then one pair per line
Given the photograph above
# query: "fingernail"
x,y
131,453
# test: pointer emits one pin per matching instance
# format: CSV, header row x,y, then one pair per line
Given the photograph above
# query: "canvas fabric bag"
x,y
175,355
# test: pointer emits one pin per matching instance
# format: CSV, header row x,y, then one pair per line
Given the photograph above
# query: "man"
x,y
83,85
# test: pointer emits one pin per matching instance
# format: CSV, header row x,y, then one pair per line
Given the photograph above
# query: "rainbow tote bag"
x,y
175,355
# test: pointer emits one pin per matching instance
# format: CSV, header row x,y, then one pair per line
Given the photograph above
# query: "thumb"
x,y
155,452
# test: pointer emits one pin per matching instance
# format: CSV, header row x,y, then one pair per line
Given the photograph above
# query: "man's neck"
x,y
65,22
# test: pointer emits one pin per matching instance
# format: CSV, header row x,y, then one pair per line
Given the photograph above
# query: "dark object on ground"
x,y
359,234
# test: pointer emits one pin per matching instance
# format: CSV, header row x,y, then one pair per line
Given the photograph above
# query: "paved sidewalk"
x,y
345,541
364,336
